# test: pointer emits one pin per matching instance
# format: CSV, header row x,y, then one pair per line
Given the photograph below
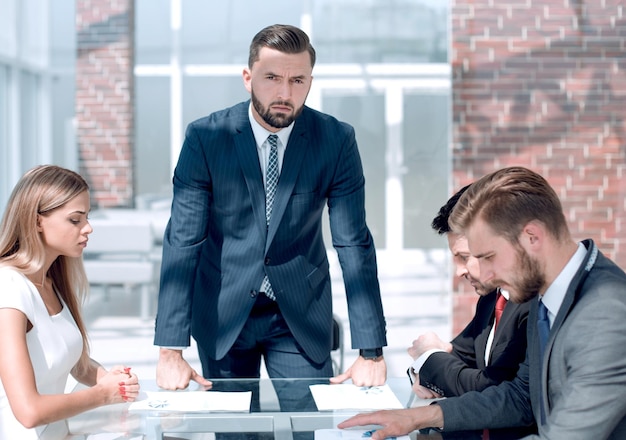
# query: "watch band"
x,y
371,353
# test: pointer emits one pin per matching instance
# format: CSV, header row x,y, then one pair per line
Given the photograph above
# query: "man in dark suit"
x,y
573,380
487,351
249,280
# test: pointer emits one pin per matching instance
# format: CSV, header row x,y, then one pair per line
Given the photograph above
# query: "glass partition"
x,y
382,67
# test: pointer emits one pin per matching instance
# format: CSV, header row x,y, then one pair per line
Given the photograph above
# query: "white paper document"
x,y
349,434
111,436
348,396
194,401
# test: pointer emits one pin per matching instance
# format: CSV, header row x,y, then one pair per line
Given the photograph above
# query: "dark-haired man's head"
x,y
279,75
465,265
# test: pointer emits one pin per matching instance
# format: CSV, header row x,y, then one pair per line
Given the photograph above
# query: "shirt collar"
x,y
261,134
553,298
505,293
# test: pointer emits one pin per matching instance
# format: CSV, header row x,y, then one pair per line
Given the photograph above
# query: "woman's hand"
x,y
119,385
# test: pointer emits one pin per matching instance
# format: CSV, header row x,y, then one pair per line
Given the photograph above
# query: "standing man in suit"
x,y
479,356
573,387
246,273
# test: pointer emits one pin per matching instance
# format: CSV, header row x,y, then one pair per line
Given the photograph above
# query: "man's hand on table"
x,y
174,373
397,422
364,373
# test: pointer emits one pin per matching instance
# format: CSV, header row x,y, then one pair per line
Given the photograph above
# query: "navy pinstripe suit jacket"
x,y
217,248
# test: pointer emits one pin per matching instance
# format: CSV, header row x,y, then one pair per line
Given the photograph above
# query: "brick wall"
x,y
542,83
104,99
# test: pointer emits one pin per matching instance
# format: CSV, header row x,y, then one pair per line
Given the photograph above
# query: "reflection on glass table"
x,y
281,409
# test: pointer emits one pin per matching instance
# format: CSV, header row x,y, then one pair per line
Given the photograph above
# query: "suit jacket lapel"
x,y
245,146
292,161
481,339
570,299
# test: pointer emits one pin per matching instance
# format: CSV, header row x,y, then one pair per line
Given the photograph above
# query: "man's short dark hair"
x,y
440,222
283,38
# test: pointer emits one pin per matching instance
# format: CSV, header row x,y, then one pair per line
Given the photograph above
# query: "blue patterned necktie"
x,y
543,327
271,176
543,330
271,181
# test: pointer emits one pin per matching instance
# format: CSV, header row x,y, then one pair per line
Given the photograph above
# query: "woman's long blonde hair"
x,y
40,191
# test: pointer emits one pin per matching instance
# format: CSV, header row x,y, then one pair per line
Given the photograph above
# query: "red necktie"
x,y
500,303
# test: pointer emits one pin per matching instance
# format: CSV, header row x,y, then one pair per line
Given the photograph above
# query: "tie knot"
x,y
542,311
272,139
500,302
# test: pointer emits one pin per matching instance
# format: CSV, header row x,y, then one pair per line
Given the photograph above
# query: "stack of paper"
x,y
352,397
194,401
349,434
111,436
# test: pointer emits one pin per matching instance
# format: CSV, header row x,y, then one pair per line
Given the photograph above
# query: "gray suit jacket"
x,y
217,248
583,377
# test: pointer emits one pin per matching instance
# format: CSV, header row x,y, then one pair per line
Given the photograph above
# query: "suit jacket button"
x,y
253,293
268,260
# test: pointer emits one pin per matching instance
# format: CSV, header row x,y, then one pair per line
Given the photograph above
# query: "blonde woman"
x,y
43,233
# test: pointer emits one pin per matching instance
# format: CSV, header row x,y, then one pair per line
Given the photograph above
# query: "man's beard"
x,y
278,120
479,287
531,279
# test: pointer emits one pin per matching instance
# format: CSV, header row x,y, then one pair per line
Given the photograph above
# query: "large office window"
x,y
4,132
382,67
23,60
26,81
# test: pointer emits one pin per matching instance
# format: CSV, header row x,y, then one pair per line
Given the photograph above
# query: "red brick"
x,y
104,105
552,98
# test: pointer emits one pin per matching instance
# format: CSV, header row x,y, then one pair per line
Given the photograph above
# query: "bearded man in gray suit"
x,y
574,387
